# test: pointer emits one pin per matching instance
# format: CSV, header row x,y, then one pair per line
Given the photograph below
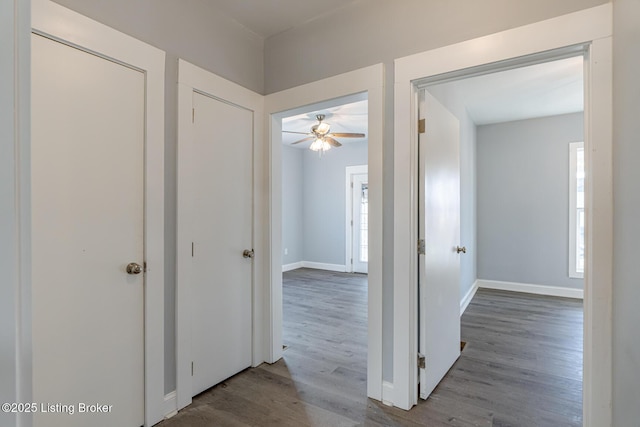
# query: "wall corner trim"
x,y
387,393
466,300
292,266
170,405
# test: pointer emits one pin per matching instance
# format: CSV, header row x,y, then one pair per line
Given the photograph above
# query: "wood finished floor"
x,y
522,366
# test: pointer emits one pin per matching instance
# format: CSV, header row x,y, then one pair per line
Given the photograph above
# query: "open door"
x,y
439,234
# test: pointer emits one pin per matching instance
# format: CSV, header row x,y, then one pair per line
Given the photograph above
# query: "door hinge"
x,y
193,115
421,126
422,361
193,249
144,266
191,368
351,261
421,247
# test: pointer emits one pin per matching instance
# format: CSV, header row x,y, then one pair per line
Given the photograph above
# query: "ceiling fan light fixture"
x,y
323,128
320,145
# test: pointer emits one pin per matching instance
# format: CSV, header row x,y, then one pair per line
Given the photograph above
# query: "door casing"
x,y
59,23
588,31
369,80
15,202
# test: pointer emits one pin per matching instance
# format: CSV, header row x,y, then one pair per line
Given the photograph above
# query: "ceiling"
x,y
350,117
539,90
269,17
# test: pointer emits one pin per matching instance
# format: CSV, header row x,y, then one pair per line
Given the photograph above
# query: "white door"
x,y
360,222
221,226
439,227
88,117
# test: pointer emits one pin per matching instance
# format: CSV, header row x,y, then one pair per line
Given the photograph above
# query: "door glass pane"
x,y
580,241
580,210
364,223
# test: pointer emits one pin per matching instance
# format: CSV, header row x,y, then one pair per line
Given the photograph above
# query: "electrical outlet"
x,y
286,251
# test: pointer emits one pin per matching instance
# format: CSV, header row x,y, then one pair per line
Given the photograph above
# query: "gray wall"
x,y
324,201
369,32
626,230
292,207
313,208
523,200
452,99
194,31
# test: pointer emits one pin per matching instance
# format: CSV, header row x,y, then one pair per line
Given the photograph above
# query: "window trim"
x,y
573,206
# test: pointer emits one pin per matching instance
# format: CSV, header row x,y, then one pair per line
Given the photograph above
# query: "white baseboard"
x,y
170,405
317,265
555,291
387,393
468,297
293,266
321,266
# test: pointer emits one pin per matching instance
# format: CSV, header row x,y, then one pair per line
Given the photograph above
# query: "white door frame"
x,y
15,203
192,78
369,80
590,30
58,23
350,171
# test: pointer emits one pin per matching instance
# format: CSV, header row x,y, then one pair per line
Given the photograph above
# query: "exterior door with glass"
x,y
360,222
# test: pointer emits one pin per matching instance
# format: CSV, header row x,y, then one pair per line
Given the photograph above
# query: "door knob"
x,y
134,268
248,253
461,249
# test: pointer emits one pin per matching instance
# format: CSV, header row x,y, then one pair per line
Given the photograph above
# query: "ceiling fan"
x,y
324,139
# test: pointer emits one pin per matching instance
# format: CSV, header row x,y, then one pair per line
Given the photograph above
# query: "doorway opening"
x,y
516,127
365,83
324,303
588,33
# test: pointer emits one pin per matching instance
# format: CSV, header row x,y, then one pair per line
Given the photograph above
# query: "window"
x,y
576,209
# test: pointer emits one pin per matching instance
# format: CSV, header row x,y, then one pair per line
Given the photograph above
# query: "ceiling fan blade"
x,y
347,135
290,131
332,141
309,138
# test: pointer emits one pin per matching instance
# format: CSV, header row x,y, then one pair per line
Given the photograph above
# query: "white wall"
x,y
292,206
320,228
452,99
626,233
194,31
523,200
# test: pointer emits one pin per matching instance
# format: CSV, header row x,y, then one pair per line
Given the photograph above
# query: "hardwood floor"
x,y
522,366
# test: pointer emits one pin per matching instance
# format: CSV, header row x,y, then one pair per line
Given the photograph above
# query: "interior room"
x,y
324,239
517,130
162,242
